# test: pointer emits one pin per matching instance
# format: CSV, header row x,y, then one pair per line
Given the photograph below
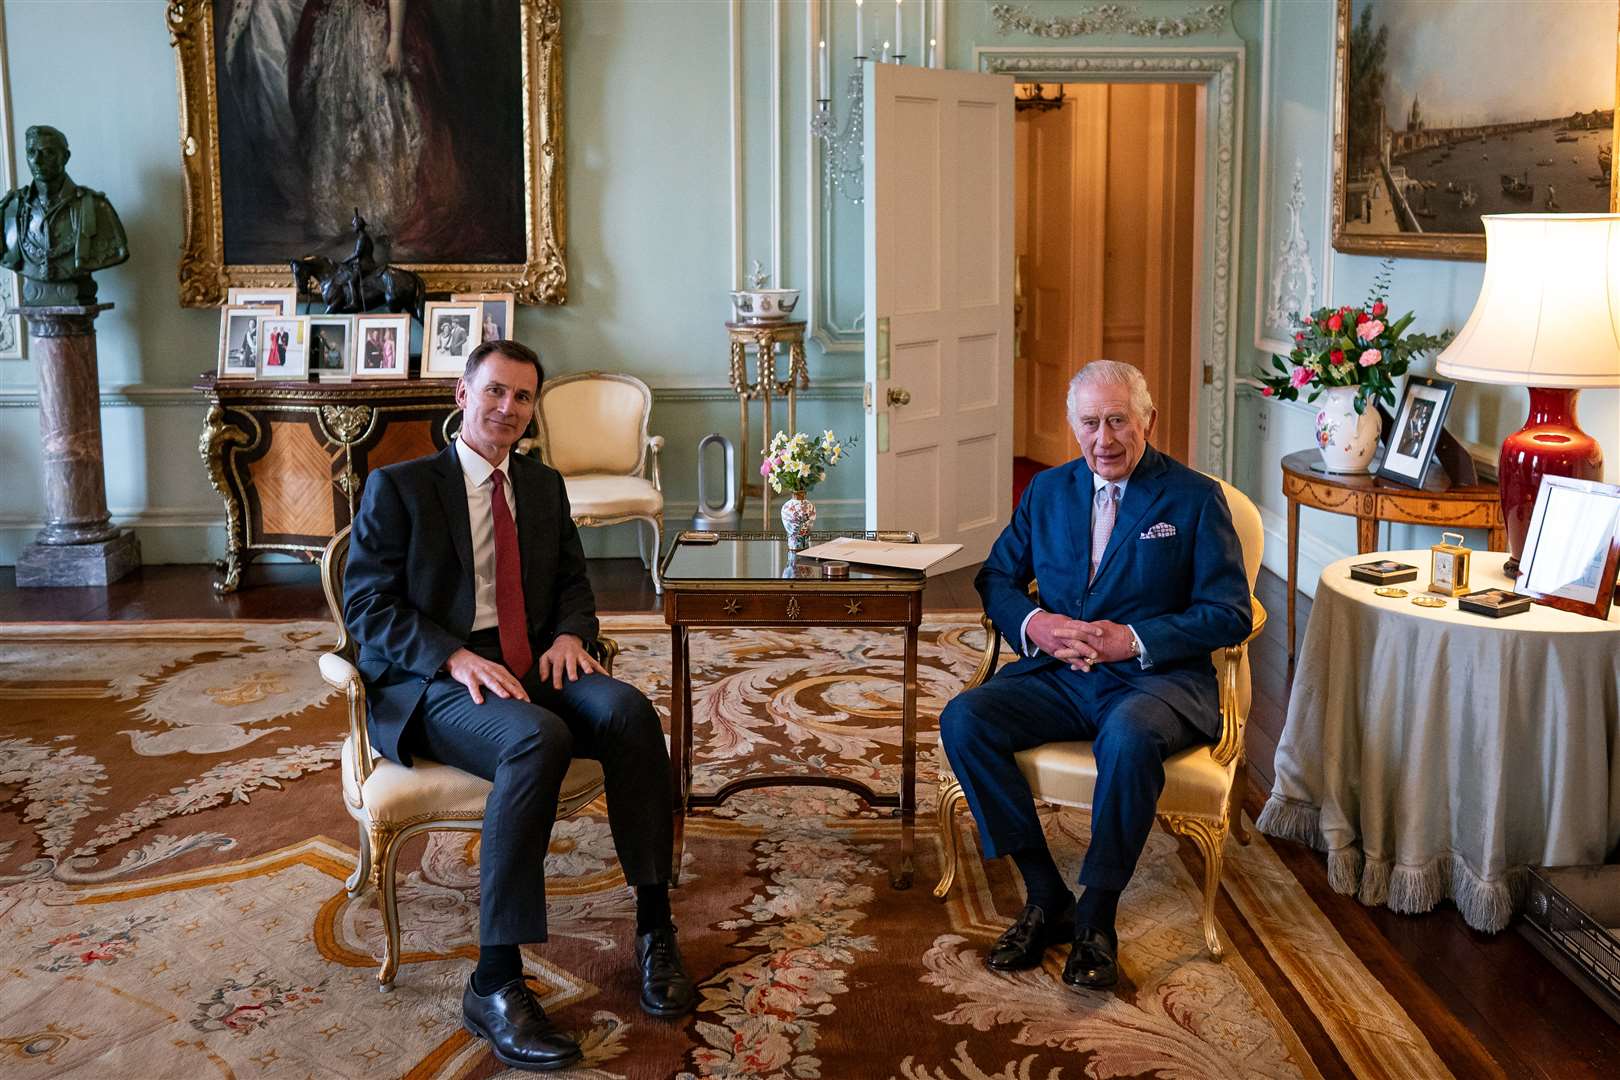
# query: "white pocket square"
x,y
1159,531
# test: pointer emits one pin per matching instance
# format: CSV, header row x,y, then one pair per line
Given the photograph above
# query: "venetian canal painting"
x,y
1452,109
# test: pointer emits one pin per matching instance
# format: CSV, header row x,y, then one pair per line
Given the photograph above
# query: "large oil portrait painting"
x,y
1446,110
440,121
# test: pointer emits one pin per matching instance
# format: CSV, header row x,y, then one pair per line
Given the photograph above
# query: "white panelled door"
x,y
939,305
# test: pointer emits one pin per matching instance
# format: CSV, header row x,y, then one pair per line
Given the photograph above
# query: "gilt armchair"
x,y
593,430
390,802
1203,786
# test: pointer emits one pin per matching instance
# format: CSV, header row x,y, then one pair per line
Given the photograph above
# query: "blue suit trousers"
x,y
1131,732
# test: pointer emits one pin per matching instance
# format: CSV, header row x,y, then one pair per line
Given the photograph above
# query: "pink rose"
x,y
1369,330
1300,377
765,467
1371,357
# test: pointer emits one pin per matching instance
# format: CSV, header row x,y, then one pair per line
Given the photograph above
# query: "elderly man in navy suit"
x,y
1141,577
466,590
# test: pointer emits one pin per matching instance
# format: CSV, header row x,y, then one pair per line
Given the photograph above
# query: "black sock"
x,y
1097,909
1043,885
497,966
652,908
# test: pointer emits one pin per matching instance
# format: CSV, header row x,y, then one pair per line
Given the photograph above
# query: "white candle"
x,y
860,31
823,81
899,33
930,52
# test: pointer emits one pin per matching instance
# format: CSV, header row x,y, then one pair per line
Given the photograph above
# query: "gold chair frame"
x,y
381,840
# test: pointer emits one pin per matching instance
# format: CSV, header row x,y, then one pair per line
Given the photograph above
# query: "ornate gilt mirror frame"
x,y
542,278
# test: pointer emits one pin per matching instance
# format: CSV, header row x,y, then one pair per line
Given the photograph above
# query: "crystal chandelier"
x,y
843,169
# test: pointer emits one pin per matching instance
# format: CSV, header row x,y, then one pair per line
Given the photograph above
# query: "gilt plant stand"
x,y
764,387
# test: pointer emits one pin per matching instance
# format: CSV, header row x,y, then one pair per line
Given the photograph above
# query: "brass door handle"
x,y
899,395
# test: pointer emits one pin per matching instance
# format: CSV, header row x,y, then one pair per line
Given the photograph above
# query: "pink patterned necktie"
x,y
1102,524
510,615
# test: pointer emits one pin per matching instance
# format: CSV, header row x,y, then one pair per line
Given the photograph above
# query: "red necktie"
x,y
514,621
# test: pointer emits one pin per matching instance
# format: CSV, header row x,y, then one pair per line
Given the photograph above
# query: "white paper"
x,y
883,553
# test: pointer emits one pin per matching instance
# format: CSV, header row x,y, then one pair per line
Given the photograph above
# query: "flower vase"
x,y
798,518
1348,439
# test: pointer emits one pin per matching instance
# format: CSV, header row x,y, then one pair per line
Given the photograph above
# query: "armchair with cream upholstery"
x,y
593,430
1203,785
391,802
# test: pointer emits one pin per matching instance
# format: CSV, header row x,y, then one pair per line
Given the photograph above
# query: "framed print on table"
x,y
450,331
1445,110
1572,551
382,346
284,301
457,161
284,348
1409,445
497,313
331,347
239,342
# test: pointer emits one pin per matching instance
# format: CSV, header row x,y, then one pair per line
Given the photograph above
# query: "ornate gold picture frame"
x,y
535,274
1413,178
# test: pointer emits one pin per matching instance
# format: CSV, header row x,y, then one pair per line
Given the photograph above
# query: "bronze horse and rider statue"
x,y
358,284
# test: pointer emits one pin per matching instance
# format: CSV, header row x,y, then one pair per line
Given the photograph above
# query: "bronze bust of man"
x,y
56,232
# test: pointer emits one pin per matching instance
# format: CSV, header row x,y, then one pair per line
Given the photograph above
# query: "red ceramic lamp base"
x,y
1551,443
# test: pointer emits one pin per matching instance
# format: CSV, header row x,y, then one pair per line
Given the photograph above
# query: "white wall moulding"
x,y
141,397
1138,20
1218,71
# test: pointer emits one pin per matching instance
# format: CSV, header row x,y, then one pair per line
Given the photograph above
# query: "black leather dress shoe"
x,y
519,1033
666,988
1026,940
1092,964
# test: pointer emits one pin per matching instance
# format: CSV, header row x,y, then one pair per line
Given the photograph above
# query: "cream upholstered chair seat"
x,y
598,495
593,430
1202,785
391,802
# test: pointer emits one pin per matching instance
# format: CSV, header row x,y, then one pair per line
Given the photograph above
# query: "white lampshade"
x,y
1548,312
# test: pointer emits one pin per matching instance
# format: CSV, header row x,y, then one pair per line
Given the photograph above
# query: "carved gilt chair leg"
x,y
358,880
385,843
951,799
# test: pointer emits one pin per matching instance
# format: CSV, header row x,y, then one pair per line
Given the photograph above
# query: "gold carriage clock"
x,y
1448,566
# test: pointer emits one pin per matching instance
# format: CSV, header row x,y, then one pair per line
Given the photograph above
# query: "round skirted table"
x,y
1435,754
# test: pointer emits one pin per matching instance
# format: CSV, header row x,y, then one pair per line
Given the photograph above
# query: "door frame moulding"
x,y
1218,71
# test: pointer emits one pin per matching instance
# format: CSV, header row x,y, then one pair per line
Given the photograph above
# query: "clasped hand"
x,y
566,657
1078,643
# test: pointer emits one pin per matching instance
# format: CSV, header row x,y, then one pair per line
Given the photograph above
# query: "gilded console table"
x,y
289,459
1371,500
764,337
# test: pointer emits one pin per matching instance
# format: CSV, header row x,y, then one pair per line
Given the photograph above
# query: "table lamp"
x,y
1548,317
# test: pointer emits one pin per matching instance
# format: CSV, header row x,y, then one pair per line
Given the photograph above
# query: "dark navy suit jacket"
x,y
408,589
1186,593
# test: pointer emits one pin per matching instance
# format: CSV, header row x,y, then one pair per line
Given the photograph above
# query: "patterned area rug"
x,y
173,847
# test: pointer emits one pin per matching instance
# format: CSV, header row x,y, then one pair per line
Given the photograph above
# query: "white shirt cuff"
x,y
1023,632
1141,650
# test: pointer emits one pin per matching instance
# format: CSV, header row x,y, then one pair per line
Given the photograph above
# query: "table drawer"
x,y
812,608
1421,509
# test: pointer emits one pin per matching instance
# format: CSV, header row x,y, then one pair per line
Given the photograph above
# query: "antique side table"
x,y
750,580
289,458
1371,500
764,337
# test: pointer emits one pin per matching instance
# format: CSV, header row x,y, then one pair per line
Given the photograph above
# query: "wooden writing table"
x,y
1371,500
748,580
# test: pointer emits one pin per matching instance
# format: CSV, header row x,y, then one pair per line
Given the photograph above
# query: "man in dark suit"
x,y
466,591
1141,577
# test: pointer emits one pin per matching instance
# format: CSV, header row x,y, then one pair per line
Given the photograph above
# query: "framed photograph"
x,y
1445,110
239,342
284,301
1572,551
382,345
331,347
284,348
1409,444
460,172
496,319
449,332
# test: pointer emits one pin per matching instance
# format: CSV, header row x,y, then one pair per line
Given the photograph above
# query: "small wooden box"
x,y
1448,566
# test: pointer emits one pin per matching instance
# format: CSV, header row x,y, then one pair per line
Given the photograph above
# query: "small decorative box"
x,y
1384,572
1493,602
1448,566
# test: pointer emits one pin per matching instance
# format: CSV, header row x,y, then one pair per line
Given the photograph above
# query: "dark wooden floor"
x,y
1495,989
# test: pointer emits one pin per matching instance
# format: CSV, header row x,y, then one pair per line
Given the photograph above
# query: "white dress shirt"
x,y
478,475
1097,484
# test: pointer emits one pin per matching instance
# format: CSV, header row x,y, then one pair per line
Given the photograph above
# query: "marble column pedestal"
x,y
78,545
